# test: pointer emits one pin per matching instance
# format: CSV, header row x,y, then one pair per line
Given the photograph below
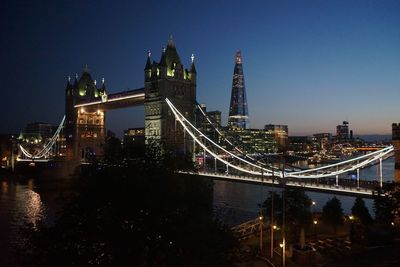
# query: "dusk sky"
x,y
307,64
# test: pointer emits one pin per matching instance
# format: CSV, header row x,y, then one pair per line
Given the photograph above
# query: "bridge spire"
x,y
148,62
192,66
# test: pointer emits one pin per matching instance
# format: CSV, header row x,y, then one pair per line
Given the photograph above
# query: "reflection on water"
x,y
31,207
21,202
26,202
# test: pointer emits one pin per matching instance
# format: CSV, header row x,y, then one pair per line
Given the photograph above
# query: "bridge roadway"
x,y
347,188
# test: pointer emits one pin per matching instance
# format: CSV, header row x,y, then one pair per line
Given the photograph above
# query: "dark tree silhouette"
x,y
112,149
332,213
360,212
297,211
387,206
141,215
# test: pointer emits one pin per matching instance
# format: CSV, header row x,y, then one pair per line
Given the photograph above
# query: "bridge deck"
x,y
123,99
348,190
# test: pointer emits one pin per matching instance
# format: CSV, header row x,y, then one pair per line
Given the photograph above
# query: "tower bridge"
x,y
86,105
169,100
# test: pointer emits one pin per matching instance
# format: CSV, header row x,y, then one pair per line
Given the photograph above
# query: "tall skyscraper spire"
x,y
238,113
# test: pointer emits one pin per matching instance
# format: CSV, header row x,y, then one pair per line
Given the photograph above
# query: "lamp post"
x,y
261,233
272,214
314,219
315,228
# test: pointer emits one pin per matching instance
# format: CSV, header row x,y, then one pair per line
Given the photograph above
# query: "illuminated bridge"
x,y
169,100
241,167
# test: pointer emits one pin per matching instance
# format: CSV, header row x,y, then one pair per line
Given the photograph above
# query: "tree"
x,y
112,148
360,212
332,213
140,215
297,211
386,206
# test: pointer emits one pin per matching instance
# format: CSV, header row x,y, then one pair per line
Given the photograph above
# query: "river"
x,y
29,200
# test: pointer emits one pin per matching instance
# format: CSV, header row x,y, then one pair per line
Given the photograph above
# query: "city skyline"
x,y
309,65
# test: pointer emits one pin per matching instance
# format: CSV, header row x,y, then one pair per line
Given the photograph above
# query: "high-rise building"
x,y
342,131
323,140
253,140
238,113
280,134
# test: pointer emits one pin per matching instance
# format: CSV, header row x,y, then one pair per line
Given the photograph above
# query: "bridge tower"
x,y
396,145
84,126
169,79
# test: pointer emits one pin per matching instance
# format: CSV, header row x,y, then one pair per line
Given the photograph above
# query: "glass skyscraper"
x,y
238,113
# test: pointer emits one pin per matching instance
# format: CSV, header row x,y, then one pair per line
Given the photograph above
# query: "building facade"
x,y
342,131
280,134
323,140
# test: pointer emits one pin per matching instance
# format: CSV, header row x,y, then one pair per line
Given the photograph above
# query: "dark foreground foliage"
x,y
142,215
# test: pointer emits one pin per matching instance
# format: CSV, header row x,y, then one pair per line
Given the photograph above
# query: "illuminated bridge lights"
x,y
112,98
248,167
44,152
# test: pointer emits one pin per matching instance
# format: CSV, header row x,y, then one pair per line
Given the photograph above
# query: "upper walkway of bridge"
x,y
134,97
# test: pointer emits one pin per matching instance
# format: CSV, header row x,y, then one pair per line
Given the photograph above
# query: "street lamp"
x,y
315,228
272,214
313,207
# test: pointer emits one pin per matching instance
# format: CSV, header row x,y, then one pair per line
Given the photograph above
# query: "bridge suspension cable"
x,y
46,148
186,124
257,169
223,136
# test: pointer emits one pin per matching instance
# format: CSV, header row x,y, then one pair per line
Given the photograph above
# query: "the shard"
x,y
238,113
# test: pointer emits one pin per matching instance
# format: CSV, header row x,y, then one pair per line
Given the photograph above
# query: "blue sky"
x,y
307,64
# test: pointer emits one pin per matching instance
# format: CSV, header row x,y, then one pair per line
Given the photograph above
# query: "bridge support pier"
x,y
358,178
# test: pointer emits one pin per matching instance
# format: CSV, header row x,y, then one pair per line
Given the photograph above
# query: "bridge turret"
x,y
68,87
86,85
170,80
396,145
162,66
148,67
192,72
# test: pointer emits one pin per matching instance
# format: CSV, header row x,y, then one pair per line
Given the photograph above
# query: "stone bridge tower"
x,y
84,126
169,79
396,145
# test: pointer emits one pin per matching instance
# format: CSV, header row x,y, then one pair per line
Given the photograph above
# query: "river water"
x,y
29,200
239,202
